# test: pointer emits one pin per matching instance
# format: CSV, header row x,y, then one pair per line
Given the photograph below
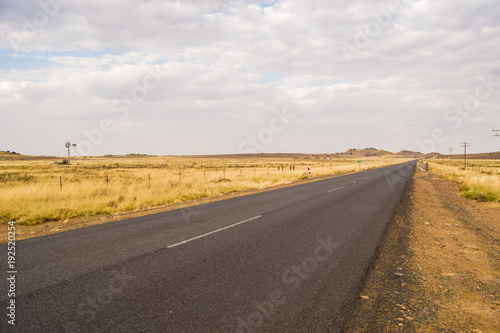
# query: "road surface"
x,y
287,260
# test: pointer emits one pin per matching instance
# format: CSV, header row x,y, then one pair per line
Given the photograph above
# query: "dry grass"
x,y
479,181
31,193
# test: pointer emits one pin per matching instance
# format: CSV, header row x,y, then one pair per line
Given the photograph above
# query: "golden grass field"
x,y
30,189
479,181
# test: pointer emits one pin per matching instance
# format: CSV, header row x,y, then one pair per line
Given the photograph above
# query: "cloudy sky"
x,y
233,76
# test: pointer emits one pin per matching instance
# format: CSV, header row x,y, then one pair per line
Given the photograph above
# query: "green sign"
x,y
359,161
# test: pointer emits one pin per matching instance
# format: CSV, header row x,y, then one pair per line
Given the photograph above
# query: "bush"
x,y
478,194
222,180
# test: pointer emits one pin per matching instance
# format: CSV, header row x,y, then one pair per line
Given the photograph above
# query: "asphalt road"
x,y
288,260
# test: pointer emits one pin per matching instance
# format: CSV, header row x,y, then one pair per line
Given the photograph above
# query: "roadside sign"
x,y
360,161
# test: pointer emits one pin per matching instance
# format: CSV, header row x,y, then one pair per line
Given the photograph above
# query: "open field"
x,y
476,156
479,181
33,191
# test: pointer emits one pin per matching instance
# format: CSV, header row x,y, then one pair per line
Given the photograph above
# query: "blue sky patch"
x,y
272,77
10,59
264,5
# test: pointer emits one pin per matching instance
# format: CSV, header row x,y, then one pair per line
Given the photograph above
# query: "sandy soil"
x,y
438,267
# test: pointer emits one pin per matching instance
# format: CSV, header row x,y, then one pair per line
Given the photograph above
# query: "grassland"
x,y
480,180
33,191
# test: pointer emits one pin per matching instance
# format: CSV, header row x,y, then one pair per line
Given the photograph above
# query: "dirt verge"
x,y
437,269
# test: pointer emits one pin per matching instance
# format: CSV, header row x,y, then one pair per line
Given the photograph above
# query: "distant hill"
x,y
12,155
128,155
353,153
408,152
9,153
367,152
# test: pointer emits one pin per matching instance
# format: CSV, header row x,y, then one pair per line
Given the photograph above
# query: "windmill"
x,y
68,145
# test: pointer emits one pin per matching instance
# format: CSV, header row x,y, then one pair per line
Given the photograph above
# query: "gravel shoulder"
x,y
438,268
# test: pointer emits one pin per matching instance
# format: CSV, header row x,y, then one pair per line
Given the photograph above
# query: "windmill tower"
x,y
68,145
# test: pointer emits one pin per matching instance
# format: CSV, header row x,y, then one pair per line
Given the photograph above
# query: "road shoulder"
x,y
437,269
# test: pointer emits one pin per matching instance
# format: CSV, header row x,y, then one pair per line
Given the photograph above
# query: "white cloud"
x,y
225,65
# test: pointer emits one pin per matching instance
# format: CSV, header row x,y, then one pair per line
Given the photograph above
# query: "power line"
x,y
486,140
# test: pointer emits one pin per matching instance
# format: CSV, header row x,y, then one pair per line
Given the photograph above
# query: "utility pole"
x,y
465,145
451,150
